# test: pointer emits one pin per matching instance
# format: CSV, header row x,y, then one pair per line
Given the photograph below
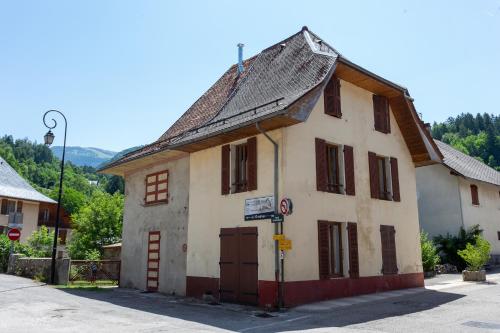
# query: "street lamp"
x,y
48,139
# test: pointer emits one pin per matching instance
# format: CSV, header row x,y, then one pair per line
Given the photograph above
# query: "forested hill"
x,y
84,156
37,164
477,136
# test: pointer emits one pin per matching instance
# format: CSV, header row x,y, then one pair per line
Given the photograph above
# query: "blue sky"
x,y
124,71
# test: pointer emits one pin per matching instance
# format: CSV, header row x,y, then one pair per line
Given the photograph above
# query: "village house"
x,y
459,193
296,121
27,209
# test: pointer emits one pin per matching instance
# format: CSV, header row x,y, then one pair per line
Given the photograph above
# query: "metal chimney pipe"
x,y
240,58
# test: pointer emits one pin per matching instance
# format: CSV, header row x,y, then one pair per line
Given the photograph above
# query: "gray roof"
x,y
276,77
467,166
12,185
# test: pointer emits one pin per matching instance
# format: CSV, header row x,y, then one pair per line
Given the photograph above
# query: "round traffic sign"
x,y
14,234
286,206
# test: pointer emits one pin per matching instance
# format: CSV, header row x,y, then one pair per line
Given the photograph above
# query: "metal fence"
x,y
95,271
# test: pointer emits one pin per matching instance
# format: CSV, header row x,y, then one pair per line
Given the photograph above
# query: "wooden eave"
x,y
402,107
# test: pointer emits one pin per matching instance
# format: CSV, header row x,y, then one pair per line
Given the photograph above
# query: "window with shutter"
x,y
474,194
388,242
396,196
330,249
332,98
156,188
4,207
332,169
373,169
352,234
225,169
349,170
240,168
321,173
252,164
381,114
19,206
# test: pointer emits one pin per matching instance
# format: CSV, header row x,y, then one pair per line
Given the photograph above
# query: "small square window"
x,y
156,188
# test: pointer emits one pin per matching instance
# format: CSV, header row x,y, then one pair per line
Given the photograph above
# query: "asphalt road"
x,y
451,306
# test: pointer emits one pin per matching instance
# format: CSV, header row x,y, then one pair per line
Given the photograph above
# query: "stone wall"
x,y
39,268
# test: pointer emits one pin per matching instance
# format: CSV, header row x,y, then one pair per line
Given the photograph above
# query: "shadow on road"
x,y
245,321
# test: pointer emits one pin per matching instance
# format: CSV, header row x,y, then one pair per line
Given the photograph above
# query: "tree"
x,y
41,242
97,224
71,200
115,184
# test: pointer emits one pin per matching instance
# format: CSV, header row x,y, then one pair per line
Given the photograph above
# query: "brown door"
x,y
238,265
153,261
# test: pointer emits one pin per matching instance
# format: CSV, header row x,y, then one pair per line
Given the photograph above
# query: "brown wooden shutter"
x,y
252,164
396,196
352,236
332,98
376,113
321,172
373,167
381,114
349,170
4,207
387,117
323,250
388,241
19,206
225,170
474,195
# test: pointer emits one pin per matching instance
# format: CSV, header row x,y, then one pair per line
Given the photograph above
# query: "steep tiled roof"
x,y
272,80
467,166
14,186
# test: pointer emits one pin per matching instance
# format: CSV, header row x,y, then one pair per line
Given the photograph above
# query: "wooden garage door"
x,y
239,265
153,270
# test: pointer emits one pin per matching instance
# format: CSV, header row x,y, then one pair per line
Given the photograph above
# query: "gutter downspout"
x,y
276,230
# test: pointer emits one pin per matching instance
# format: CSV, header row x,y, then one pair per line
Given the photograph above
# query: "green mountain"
x,y
84,156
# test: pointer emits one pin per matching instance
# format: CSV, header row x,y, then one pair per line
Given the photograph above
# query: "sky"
x,y
123,71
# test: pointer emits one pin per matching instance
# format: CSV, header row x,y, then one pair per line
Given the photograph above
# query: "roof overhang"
x,y
146,161
418,139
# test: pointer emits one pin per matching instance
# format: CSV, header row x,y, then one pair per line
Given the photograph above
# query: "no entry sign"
x,y
14,234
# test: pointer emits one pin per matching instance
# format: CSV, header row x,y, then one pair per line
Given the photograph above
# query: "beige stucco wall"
x,y
486,214
210,211
439,205
30,219
170,219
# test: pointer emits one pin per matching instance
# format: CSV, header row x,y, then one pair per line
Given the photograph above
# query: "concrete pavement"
x,y
454,306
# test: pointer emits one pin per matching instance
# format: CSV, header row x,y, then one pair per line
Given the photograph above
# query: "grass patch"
x,y
100,285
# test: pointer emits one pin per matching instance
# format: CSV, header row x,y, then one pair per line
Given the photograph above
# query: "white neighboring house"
x,y
22,205
460,192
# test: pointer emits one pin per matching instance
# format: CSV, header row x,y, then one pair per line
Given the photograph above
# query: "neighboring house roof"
x,y
12,185
279,79
467,166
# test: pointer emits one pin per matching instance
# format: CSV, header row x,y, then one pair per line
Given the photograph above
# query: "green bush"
x,y
41,242
476,255
93,255
5,242
430,257
448,246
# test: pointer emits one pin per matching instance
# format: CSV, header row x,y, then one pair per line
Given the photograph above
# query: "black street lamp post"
x,y
48,139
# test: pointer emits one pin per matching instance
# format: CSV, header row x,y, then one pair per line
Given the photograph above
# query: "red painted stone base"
x,y
196,286
301,292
